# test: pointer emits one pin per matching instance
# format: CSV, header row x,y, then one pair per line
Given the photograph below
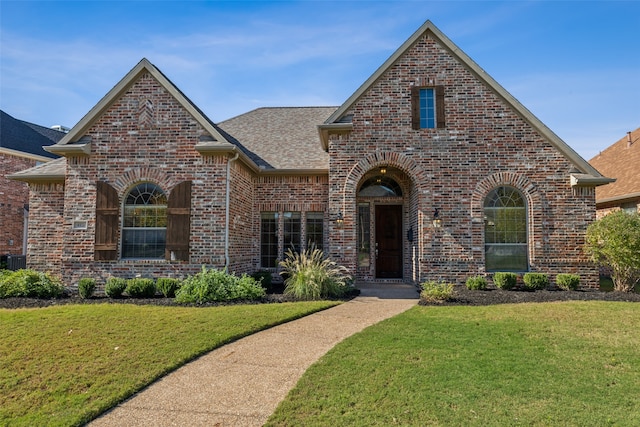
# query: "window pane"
x,y
141,243
501,257
144,222
505,230
427,108
292,231
315,224
364,247
268,240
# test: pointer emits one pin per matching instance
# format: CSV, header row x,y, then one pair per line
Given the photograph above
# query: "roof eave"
x,y
22,154
586,180
215,148
620,198
69,149
36,179
332,128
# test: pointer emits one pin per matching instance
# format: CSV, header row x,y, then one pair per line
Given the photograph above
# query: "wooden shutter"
x,y
415,108
107,222
179,222
440,121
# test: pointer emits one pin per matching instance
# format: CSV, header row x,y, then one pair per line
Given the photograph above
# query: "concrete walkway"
x,y
242,383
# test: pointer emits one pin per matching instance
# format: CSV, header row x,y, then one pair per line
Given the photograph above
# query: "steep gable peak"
x,y
73,142
339,122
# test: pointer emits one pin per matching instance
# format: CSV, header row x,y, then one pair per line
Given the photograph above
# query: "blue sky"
x,y
574,64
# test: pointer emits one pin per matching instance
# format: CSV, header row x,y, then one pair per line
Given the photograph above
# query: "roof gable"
x,y
587,174
620,161
72,142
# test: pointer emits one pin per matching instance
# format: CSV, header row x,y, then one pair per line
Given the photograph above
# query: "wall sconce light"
x,y
410,234
437,221
339,220
383,170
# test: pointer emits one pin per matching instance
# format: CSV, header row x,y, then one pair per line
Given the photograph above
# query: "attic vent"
x,y
206,138
61,128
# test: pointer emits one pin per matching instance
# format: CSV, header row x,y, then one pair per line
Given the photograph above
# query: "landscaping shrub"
x,y
168,286
535,281
614,241
311,276
505,280
115,287
436,292
568,282
264,278
141,288
217,285
30,284
86,287
477,283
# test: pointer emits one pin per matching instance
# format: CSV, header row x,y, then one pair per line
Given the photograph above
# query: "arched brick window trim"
x,y
179,222
107,222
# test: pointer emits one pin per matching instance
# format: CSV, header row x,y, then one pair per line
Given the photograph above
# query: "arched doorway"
x,y
380,225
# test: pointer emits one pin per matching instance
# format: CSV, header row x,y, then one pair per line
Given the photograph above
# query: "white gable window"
x,y
505,230
144,227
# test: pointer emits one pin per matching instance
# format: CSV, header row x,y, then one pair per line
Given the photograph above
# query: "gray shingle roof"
x,y
53,171
282,137
26,137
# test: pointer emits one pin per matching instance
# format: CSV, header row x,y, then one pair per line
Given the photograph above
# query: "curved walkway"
x,y
242,383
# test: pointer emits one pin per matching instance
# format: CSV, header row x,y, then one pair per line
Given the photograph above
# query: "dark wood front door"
x,y
389,241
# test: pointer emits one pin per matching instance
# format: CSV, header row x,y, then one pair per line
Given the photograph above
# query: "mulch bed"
x,y
464,296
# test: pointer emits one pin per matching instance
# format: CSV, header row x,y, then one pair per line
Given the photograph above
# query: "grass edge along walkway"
x,y
65,365
567,363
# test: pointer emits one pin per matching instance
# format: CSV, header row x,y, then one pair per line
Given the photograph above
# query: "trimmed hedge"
x,y
505,280
29,284
535,281
478,283
568,282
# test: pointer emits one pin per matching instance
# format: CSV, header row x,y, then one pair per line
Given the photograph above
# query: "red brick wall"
x,y
145,135
485,143
45,243
13,196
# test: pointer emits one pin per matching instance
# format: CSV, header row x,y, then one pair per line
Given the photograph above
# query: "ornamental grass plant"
x,y
312,276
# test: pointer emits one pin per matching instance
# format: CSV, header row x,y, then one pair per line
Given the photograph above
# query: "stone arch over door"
x,y
411,179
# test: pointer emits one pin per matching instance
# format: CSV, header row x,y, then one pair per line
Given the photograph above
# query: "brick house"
x,y
619,161
20,148
430,170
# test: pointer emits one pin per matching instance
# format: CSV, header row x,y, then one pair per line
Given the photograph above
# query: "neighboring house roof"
x,y
20,137
338,122
283,137
622,162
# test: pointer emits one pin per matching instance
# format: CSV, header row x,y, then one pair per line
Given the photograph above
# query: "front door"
x,y
388,241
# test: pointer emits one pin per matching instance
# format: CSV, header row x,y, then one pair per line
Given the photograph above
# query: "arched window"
x,y
505,230
144,227
380,186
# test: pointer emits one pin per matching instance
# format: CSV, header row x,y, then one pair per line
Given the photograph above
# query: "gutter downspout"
x,y
226,217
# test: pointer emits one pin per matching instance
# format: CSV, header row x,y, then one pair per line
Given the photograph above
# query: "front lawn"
x,y
64,365
565,363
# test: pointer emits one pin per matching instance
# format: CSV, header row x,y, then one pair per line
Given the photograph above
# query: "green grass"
x,y
570,364
65,365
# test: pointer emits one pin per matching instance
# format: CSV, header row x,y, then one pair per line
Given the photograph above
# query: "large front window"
x,y
144,226
505,231
269,239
